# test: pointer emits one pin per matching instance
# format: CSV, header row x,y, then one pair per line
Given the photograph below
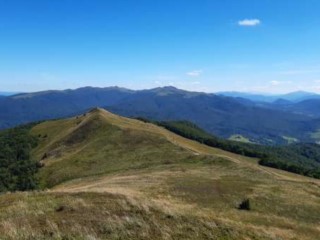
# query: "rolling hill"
x,y
219,115
308,107
110,177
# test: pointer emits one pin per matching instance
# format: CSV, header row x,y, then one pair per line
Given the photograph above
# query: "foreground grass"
x,y
179,202
104,216
279,209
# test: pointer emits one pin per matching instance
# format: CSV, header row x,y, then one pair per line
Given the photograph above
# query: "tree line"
x,y
303,158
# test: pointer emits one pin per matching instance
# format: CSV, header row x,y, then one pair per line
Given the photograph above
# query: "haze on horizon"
x,y
265,46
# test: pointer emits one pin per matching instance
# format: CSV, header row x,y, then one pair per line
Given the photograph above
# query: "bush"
x,y
245,205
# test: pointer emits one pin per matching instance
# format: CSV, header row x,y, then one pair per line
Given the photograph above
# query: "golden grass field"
x,y
109,177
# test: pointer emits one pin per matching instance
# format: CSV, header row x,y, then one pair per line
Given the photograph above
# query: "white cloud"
x,y
249,22
196,83
195,73
275,83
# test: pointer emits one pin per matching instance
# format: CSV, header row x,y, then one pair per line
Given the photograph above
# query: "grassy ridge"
x,y
92,146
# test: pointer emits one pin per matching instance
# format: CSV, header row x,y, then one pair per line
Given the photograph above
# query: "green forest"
x,y
17,169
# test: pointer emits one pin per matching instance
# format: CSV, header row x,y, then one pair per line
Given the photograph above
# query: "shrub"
x,y
245,205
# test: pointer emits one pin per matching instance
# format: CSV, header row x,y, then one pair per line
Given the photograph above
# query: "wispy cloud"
x,y
249,22
299,72
195,73
196,83
275,83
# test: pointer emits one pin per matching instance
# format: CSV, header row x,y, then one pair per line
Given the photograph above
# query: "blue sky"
x,y
204,45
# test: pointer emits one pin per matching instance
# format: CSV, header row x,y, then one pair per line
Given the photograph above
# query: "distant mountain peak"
x,y
166,90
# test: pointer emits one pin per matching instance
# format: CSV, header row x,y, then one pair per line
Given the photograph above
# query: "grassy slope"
x,y
114,177
316,136
239,138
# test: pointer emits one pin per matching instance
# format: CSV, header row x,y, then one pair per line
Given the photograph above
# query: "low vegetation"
x,y
107,216
245,205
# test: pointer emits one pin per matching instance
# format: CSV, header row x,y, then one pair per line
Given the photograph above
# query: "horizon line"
x,y
11,93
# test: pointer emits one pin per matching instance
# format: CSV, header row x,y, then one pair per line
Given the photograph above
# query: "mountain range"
x,y
220,115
